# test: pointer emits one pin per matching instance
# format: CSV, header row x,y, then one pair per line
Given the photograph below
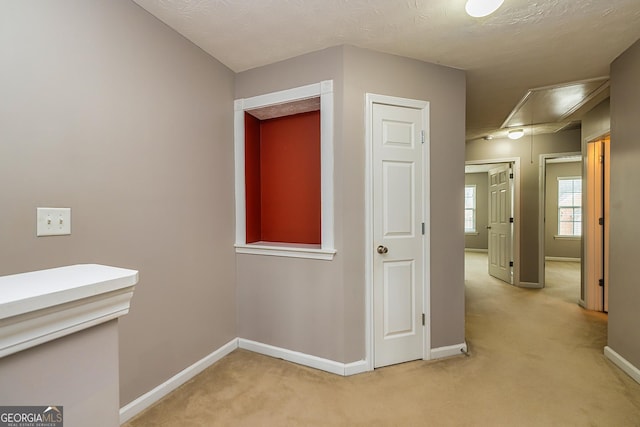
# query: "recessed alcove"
x,y
282,178
284,173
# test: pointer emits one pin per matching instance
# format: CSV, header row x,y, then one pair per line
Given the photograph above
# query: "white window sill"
x,y
471,233
558,237
287,250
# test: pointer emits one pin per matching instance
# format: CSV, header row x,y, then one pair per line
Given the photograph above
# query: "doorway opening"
x,y
560,223
496,231
595,292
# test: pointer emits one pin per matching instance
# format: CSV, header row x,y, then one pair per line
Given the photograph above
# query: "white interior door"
x,y
500,225
398,242
596,232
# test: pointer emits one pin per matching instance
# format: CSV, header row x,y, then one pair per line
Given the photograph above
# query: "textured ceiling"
x,y
524,45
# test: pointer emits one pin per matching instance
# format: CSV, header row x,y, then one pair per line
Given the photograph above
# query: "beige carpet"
x,y
536,360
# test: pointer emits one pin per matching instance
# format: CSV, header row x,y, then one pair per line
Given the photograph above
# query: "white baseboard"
x,y
530,285
476,250
448,351
561,258
146,400
355,368
304,359
622,363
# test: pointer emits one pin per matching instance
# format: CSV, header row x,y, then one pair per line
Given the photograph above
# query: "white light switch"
x,y
53,222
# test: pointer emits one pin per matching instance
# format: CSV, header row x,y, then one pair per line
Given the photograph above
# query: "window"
x,y
469,208
284,173
570,206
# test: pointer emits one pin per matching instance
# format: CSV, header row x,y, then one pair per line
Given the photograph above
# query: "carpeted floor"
x,y
535,360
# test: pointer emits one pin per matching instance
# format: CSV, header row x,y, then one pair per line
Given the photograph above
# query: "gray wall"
x,y
481,240
297,304
528,149
318,307
445,89
624,292
106,110
558,247
78,372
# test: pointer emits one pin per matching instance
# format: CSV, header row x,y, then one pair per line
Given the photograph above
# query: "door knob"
x,y
382,249
488,227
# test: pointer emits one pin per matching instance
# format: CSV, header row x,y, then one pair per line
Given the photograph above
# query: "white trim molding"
x,y
622,363
562,259
476,250
571,238
286,250
41,306
324,91
530,285
145,401
449,351
327,365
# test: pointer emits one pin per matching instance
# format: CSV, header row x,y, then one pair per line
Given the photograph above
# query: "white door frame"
x,y
371,99
515,161
542,200
591,290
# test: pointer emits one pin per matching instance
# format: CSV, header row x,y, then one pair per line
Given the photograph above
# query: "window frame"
x,y
475,219
326,249
559,235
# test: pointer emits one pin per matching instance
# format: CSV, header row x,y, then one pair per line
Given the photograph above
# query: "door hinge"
x,y
601,221
423,319
422,136
601,282
510,263
511,220
423,228
602,159
511,175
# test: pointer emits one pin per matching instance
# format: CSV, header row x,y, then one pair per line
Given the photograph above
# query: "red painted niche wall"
x,y
282,178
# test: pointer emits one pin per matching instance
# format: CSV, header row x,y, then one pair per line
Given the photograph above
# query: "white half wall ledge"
x,y
40,306
622,363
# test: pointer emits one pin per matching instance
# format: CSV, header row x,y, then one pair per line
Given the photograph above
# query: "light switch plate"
x,y
53,221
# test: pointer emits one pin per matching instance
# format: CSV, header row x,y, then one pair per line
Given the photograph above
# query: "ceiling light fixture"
x,y
515,134
480,8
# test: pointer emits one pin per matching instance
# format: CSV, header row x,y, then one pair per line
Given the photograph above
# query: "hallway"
x,y
536,359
